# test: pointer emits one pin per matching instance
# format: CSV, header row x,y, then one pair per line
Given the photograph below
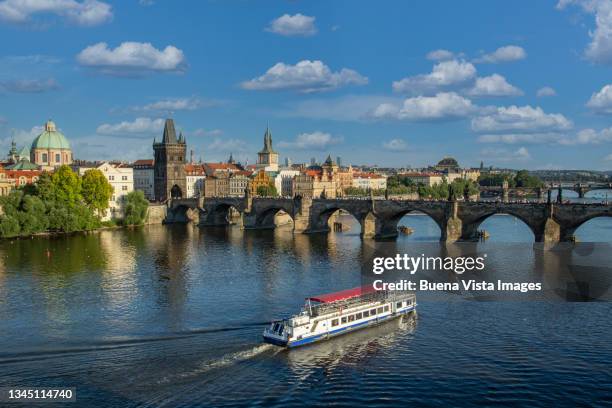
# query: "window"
x,y
366,313
45,157
343,320
334,322
358,316
386,308
57,158
380,310
124,188
372,312
124,178
351,318
398,305
111,178
113,198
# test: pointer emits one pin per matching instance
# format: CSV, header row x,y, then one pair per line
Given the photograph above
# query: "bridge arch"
x,y
393,222
274,216
222,214
365,220
473,228
590,229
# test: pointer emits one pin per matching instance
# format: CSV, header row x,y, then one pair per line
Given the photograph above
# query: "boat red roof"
x,y
343,294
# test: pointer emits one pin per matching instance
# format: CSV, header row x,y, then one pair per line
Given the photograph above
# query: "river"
x,y
172,316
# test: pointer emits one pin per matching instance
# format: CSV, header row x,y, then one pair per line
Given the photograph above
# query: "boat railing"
x,y
377,296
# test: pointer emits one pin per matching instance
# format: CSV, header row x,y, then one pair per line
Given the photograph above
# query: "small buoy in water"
x,y
48,253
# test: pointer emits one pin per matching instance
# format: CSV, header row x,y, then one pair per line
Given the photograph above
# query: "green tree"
x,y
267,191
33,215
9,226
66,186
96,190
136,206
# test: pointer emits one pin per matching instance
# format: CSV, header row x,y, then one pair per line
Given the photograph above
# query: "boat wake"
x,y
225,361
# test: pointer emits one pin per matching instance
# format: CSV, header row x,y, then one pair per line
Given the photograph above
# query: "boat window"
x,y
343,320
366,313
372,312
358,316
280,331
380,310
335,322
387,308
275,327
398,305
351,318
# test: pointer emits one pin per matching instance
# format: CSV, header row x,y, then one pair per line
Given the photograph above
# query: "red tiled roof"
x,y
343,294
144,162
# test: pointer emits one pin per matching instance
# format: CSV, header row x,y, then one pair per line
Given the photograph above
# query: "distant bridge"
x,y
540,192
458,220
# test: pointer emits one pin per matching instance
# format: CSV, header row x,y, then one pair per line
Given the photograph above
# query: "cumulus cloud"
x,y
505,155
442,106
601,101
514,138
546,91
305,76
592,136
312,141
395,145
444,75
205,132
440,55
599,49
297,24
521,119
29,85
175,104
503,54
137,126
84,13
131,59
494,85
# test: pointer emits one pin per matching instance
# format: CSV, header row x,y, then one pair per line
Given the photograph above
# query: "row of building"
x,y
170,175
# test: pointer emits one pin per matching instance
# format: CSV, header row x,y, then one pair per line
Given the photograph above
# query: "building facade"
x,y
314,184
195,176
239,183
260,178
51,148
144,178
169,169
369,181
121,178
284,182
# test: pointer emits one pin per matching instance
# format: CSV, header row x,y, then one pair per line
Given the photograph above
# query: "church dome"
x,y
50,138
448,162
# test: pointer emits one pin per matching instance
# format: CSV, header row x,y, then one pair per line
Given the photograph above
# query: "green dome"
x,y
50,138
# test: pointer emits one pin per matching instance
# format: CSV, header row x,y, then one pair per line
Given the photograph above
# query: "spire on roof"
x,y
267,142
169,132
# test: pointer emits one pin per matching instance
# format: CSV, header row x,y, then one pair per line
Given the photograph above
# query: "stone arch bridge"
x,y
458,220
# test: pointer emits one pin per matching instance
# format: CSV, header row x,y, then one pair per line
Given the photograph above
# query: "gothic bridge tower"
x,y
170,180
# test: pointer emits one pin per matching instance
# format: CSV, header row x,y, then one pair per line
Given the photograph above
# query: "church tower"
x,y
170,180
267,158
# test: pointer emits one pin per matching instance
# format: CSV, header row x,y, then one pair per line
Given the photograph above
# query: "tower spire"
x,y
169,132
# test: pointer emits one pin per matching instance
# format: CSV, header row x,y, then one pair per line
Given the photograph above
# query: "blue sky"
x,y
514,84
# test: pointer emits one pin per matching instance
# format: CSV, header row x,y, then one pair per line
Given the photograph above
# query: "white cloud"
x,y
395,145
494,85
601,101
146,2
592,136
505,155
305,76
342,108
444,75
29,85
443,106
525,119
138,126
440,55
546,91
503,54
229,145
600,48
20,136
175,104
312,141
297,24
608,157
131,59
84,13
204,132
514,138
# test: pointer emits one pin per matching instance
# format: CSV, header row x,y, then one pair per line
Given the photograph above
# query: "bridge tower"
x,y
170,180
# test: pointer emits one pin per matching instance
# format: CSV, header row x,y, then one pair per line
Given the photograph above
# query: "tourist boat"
x,y
338,313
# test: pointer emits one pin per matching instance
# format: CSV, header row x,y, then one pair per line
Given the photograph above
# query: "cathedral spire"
x,y
169,132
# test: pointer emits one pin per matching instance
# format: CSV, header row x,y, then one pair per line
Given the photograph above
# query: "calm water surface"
x,y
172,316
